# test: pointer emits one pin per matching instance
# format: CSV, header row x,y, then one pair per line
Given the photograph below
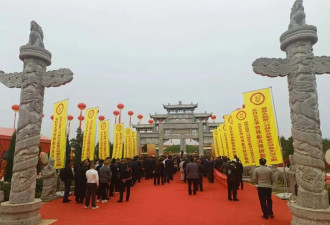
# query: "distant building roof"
x,y
202,115
143,126
180,106
159,116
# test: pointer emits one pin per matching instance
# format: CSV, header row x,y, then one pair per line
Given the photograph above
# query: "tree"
x,y
77,143
10,158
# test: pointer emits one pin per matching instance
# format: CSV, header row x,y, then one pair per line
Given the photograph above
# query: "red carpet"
x,y
171,204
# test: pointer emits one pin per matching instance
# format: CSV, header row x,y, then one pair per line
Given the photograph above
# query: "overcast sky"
x,y
145,53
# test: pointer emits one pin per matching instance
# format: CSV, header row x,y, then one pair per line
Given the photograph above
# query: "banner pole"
x,y
283,164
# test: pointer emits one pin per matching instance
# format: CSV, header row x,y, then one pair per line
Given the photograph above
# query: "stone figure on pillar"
x,y
300,67
32,82
48,174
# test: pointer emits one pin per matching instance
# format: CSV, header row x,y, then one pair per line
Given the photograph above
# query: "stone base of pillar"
x,y
20,214
307,216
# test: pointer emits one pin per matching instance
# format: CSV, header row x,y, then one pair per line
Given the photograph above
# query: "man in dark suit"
x,y
169,168
192,176
232,181
66,176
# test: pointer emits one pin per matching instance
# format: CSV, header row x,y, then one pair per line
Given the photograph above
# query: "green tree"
x,y
287,147
326,144
77,143
10,158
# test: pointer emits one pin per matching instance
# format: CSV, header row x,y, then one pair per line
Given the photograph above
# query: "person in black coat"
x,y
81,181
240,173
66,176
126,183
232,181
200,174
169,168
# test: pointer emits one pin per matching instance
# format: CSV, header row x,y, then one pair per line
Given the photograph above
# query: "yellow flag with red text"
x,y
221,142
244,142
259,108
215,142
127,143
104,150
118,141
230,136
224,138
89,134
58,142
134,143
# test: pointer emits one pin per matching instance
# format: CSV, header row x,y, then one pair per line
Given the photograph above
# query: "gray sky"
x,y
145,53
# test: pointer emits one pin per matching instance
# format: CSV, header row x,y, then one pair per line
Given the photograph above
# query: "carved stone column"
x,y
161,139
201,138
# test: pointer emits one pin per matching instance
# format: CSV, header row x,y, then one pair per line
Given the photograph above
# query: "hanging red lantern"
x,y
151,121
15,108
43,115
120,106
140,116
243,106
116,112
70,117
52,117
213,117
81,118
101,118
82,106
130,113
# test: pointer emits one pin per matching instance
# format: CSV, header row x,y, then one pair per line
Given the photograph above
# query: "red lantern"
x,y
101,118
116,112
151,121
82,106
70,117
130,113
120,106
81,118
15,108
52,117
213,117
140,117
243,106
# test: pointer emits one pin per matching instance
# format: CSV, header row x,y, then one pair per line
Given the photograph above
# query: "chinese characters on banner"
x,y
104,150
216,143
127,143
58,142
89,134
134,143
118,141
262,124
243,137
230,136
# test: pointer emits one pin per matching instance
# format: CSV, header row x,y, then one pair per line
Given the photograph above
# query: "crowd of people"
x,y
99,180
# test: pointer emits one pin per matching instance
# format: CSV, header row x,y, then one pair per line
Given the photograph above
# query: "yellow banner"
x,y
117,151
230,136
215,142
225,140
259,107
221,145
134,143
244,143
104,150
127,143
89,134
58,142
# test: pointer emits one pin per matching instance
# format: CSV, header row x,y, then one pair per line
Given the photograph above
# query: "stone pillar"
x,y
138,140
201,138
161,139
183,146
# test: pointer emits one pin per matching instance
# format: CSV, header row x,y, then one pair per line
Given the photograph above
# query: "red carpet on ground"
x,y
170,204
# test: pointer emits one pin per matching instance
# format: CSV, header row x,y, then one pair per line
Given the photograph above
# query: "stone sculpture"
x,y
300,67
22,206
48,174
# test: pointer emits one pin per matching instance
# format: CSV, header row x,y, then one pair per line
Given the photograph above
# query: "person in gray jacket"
x,y
192,176
105,175
263,176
